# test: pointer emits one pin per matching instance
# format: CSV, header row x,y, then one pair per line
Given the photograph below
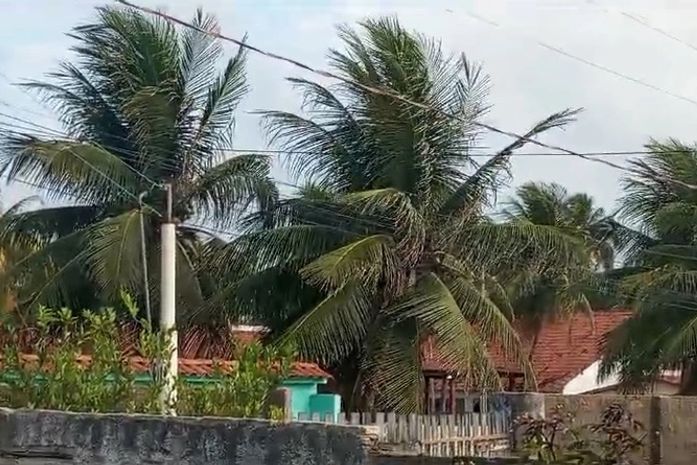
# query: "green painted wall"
x,y
326,404
305,400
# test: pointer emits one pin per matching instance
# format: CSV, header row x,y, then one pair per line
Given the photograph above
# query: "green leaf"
x,y
335,327
367,258
113,253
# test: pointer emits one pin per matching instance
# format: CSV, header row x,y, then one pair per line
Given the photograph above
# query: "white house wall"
x,y
587,380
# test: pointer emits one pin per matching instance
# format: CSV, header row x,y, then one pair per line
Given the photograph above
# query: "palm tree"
x,y
660,277
551,205
387,243
559,292
13,248
142,105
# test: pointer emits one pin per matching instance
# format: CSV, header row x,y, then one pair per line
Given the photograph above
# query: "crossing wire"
x,y
393,95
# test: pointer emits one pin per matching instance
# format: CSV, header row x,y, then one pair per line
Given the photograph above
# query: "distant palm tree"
x,y
660,279
141,106
542,294
551,205
388,243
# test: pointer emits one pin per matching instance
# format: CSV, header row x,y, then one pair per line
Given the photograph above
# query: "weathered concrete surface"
x,y
42,438
678,430
670,422
587,409
422,460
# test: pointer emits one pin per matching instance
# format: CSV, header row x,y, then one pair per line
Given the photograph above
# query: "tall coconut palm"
x,y
660,280
389,244
557,293
552,205
141,105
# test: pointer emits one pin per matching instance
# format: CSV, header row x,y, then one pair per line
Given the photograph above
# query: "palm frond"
x,y
214,131
113,252
230,188
335,327
263,249
518,245
393,367
200,53
460,344
473,192
69,169
367,259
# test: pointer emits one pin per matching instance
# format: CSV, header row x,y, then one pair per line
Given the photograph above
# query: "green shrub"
x,y
554,441
57,378
241,392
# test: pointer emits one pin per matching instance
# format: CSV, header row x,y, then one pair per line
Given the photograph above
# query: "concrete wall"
x,y
678,430
420,460
670,422
659,388
54,438
43,438
35,437
301,391
588,408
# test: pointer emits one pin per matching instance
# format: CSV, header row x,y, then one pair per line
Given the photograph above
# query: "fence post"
x,y
390,434
380,423
655,430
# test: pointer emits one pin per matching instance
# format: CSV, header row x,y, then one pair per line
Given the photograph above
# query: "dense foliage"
x,y
392,235
659,281
77,365
388,242
539,295
141,105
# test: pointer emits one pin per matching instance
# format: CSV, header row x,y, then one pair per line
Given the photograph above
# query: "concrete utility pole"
x,y
168,305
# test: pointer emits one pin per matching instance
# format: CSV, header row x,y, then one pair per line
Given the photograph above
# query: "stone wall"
x,y
670,423
678,430
421,460
41,438
30,437
587,409
35,437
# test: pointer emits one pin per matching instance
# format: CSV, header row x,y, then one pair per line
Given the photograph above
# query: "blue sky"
x,y
529,81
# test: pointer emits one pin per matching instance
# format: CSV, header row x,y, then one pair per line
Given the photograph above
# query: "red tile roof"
x,y
201,349
194,341
197,367
564,348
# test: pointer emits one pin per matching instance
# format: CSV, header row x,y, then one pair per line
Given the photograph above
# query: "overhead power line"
x,y
618,153
391,94
45,130
588,62
645,23
664,33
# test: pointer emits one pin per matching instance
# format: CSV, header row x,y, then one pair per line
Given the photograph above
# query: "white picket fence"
x,y
468,434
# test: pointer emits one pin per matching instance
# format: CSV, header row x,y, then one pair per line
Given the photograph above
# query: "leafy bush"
x,y
57,376
554,441
240,392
